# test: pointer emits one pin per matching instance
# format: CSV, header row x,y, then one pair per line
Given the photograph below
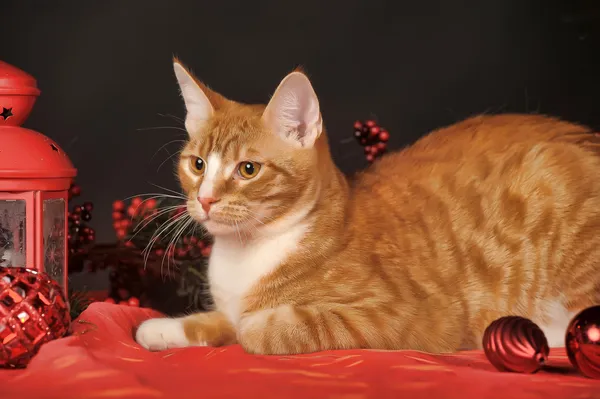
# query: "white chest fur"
x,y
234,269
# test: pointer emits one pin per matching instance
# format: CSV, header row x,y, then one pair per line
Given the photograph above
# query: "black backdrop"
x,y
104,68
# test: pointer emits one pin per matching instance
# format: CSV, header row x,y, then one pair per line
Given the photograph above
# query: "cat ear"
x,y
198,105
293,111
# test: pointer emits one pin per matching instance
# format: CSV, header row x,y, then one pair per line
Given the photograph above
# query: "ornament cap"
x,y
16,82
28,159
18,92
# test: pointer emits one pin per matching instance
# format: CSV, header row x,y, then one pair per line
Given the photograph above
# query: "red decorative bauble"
x,y
582,342
516,344
33,311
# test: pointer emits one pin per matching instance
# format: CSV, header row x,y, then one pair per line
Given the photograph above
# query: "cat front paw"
x,y
161,334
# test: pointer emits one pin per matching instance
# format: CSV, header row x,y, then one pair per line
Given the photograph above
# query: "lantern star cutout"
x,y
6,113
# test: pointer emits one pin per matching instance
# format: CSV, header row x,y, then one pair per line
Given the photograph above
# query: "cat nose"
x,y
206,202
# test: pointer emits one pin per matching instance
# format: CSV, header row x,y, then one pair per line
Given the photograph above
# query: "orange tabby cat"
x,y
492,216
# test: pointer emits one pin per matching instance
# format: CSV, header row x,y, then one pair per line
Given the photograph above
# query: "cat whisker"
x,y
148,219
175,118
157,195
169,157
166,144
168,224
162,127
179,230
169,190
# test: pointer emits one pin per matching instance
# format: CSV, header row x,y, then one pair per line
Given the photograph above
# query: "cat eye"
x,y
248,169
198,164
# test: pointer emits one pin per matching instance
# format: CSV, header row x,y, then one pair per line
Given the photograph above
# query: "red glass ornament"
x,y
516,344
33,311
582,342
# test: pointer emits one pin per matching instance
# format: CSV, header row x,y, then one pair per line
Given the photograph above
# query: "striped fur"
x,y
495,215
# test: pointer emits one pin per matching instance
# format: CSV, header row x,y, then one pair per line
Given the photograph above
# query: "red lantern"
x,y
35,176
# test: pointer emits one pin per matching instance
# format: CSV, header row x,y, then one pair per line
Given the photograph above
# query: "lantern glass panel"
x,y
12,232
54,238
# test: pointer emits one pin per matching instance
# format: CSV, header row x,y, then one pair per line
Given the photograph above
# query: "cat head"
x,y
250,168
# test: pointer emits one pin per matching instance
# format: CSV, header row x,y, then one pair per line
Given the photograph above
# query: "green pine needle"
x,y
78,302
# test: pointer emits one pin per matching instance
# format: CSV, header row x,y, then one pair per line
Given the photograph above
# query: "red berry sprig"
x,y
80,235
140,214
372,137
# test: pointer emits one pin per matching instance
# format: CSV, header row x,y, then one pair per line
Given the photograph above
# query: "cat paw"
x,y
161,334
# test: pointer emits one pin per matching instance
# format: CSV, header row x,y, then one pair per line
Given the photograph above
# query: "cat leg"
x,y
287,330
200,329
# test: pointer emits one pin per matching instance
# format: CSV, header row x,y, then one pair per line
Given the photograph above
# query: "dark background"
x,y
104,68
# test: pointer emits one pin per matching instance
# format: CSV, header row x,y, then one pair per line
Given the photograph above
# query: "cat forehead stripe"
x,y
213,165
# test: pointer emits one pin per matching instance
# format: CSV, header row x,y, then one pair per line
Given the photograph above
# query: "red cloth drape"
x,y
101,360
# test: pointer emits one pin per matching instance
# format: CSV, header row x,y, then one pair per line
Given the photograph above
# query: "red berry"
x,y
121,233
109,300
118,206
374,131
129,244
117,216
117,225
370,158
363,141
77,209
75,190
381,146
384,135
367,149
193,240
374,150
75,217
88,206
131,211
133,301
137,201
358,125
123,293
370,124
159,252
201,244
150,204
181,252
125,223
206,251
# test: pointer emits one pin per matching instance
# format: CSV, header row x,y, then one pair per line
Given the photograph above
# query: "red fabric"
x,y
101,360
